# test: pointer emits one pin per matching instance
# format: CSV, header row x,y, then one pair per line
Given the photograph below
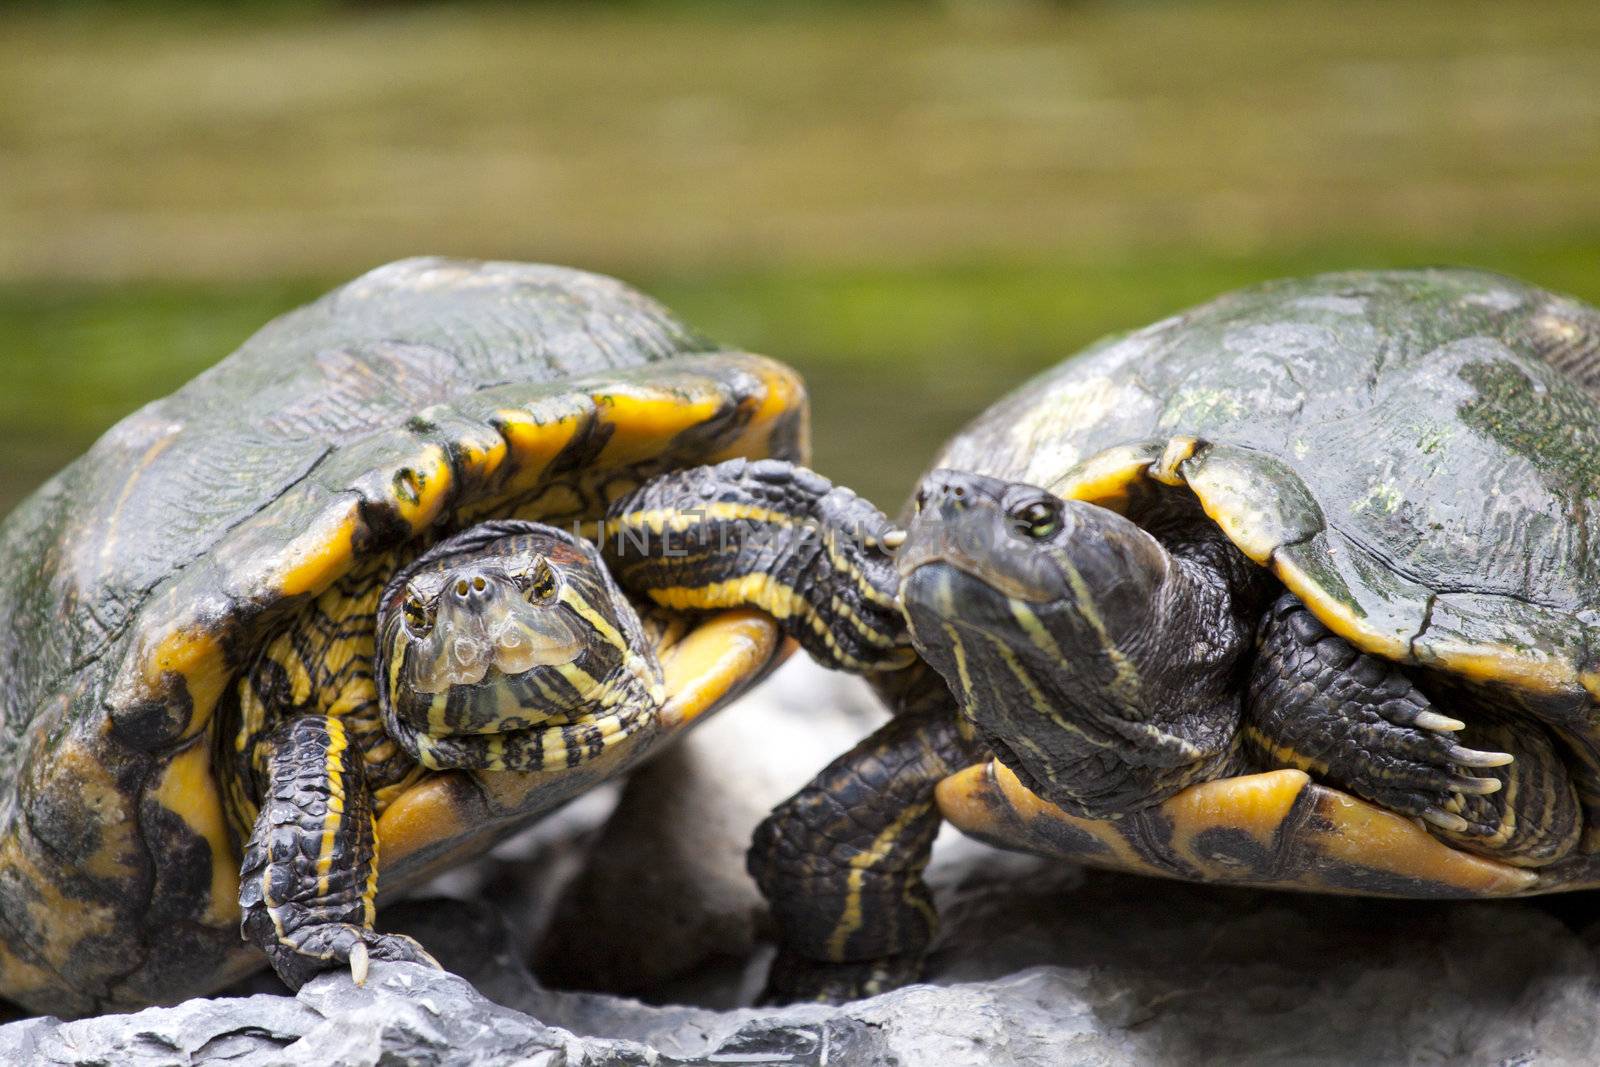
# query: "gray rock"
x,y
1038,964
664,908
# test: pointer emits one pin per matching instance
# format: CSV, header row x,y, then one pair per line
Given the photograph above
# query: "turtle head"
x,y
506,628
1054,622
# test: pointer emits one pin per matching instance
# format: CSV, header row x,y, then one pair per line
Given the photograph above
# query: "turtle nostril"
x,y
461,588
478,583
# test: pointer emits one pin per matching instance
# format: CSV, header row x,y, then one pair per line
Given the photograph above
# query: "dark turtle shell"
x,y
137,583
1416,455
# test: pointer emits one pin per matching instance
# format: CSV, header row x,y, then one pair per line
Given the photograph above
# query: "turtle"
x,y
322,623
1294,589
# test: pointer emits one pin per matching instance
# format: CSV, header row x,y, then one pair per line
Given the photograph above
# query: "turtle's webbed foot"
x,y
796,979
302,955
1356,721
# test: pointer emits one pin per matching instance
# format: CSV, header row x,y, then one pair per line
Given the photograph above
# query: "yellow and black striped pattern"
x,y
309,880
841,861
410,404
604,686
321,664
770,535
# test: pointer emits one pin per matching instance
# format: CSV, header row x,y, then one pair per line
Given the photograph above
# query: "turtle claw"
x,y
1469,757
1446,820
1477,787
360,959
330,946
1432,720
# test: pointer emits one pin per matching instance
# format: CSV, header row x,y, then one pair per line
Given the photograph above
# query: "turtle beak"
x,y
961,522
485,627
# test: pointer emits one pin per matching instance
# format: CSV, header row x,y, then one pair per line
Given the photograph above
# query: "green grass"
x,y
208,144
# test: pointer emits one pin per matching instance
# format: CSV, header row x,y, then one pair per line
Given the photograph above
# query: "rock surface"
x,y
1038,963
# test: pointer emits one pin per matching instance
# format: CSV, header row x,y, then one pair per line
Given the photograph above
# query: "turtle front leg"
x,y
841,863
770,535
1318,704
309,879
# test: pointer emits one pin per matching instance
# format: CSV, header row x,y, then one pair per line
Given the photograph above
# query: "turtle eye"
x,y
415,613
542,582
1038,519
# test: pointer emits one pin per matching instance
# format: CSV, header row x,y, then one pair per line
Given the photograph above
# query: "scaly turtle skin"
x,y
1295,589
239,689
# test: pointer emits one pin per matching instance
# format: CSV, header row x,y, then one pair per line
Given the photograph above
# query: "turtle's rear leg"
x,y
1318,704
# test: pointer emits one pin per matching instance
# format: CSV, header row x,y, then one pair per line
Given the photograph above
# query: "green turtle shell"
x,y
1414,453
137,583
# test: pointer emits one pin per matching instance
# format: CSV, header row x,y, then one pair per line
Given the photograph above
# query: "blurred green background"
x,y
916,204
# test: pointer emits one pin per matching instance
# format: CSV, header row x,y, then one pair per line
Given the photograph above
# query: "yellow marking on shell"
x,y
1498,663
1230,495
1105,478
385,795
188,788
95,788
719,656
981,798
336,794
646,419
482,459
317,558
1337,615
421,817
19,978
988,800
1257,805
1165,469
851,918
62,920
533,444
422,488
1232,499
783,395
1366,835
196,656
